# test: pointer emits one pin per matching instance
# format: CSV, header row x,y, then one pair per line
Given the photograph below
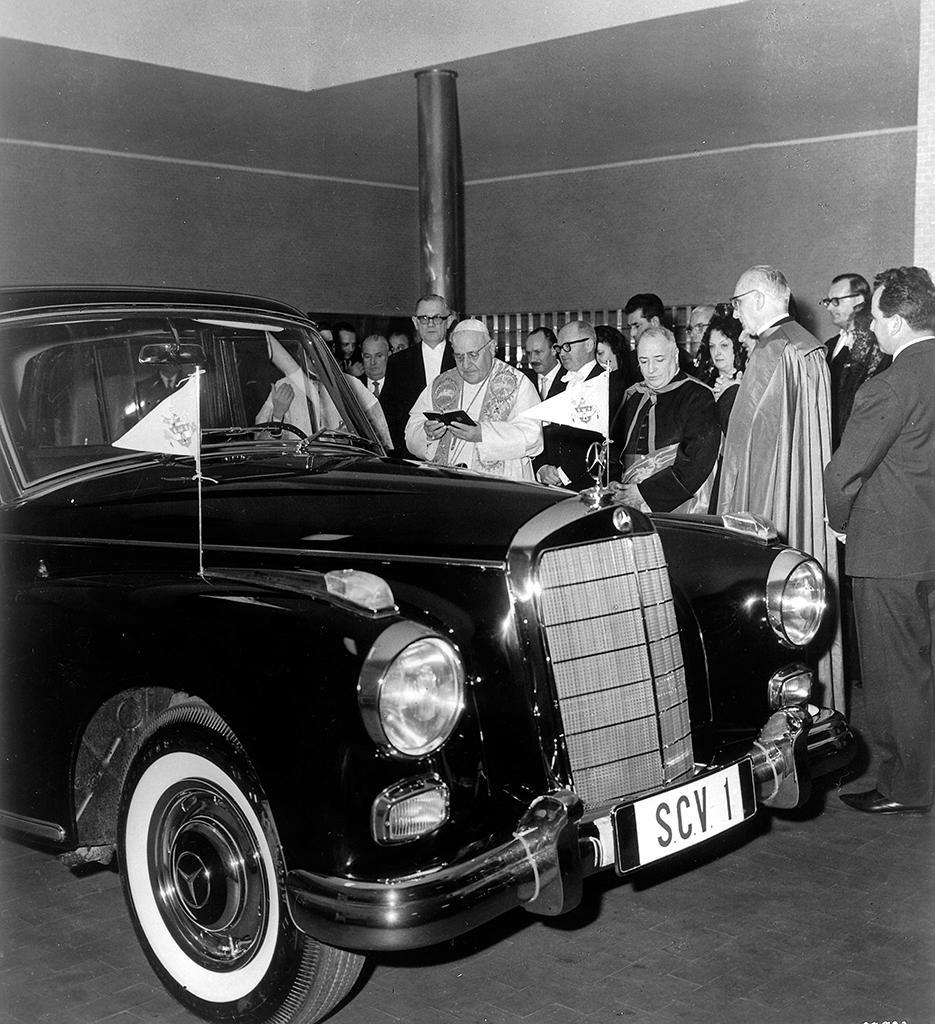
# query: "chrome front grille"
x,y
608,620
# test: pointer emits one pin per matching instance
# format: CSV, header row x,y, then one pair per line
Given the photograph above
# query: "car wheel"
x,y
203,877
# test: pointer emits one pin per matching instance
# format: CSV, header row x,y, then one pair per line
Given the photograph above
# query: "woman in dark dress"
x,y
722,340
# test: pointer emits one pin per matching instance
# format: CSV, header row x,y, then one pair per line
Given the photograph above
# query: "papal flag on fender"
x,y
583,405
172,428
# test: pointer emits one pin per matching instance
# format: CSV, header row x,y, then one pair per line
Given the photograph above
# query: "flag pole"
x,y
198,477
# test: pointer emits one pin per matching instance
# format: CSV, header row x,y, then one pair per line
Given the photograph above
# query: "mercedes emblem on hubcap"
x,y
192,880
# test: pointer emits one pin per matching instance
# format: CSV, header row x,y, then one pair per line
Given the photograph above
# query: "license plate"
x,y
666,823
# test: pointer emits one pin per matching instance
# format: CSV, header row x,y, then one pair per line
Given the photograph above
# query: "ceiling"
x,y
699,80
314,44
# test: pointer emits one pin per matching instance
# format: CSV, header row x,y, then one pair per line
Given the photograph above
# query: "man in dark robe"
x,y
664,434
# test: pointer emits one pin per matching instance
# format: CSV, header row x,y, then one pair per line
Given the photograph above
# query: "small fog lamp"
x,y
790,687
409,809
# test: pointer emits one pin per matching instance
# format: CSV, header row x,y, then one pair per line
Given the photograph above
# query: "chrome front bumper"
x,y
541,867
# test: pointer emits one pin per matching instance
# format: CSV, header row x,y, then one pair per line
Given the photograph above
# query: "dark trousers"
x,y
896,629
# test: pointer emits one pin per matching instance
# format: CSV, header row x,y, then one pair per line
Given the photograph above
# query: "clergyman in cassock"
x,y
492,436
664,434
779,436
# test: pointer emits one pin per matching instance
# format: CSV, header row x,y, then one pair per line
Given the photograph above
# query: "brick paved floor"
x,y
825,918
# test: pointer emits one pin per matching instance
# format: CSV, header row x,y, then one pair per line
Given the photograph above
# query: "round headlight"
x,y
795,597
411,698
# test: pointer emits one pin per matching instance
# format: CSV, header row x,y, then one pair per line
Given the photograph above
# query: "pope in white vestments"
x,y
494,437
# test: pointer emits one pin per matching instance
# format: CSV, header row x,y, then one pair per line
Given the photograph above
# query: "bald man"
x,y
564,460
779,436
665,434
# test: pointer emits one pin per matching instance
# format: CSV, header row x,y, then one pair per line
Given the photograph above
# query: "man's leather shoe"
x,y
874,802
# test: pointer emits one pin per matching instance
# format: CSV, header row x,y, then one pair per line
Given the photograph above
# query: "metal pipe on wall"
x,y
441,191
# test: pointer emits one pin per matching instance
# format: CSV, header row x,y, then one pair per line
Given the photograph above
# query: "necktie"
x,y
542,387
376,389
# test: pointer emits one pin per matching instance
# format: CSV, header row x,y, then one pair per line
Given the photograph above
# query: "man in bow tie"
x,y
564,459
853,354
665,435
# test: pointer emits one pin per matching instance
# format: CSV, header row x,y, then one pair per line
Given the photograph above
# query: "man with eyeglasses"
x,y
488,433
853,353
700,366
411,370
779,436
564,457
881,492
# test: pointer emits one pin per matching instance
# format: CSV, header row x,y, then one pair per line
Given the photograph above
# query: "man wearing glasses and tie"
x,y
411,370
853,354
565,456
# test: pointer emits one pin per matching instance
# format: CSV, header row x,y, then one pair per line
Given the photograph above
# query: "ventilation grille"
x,y
609,624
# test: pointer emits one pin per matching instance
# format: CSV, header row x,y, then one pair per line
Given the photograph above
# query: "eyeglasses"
x,y
440,318
472,355
735,299
565,346
838,299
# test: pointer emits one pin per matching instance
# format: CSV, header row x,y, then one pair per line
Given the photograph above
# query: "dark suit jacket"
x,y
880,483
402,385
567,447
555,388
848,371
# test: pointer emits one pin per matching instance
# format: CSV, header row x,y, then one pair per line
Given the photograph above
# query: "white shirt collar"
x,y
432,360
910,343
573,376
771,325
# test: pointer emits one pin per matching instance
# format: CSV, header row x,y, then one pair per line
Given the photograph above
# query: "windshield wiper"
x,y
330,434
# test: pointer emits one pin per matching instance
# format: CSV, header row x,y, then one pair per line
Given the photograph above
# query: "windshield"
x,y
72,387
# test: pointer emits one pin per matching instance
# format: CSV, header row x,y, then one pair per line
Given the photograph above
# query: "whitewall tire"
x,y
203,880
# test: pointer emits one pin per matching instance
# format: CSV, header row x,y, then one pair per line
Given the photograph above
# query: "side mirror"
x,y
174,354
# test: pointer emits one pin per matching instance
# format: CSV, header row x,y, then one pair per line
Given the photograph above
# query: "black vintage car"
x,y
319,702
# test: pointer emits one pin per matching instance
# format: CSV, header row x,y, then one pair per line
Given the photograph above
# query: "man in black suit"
x,y
853,353
413,369
880,491
546,372
564,457
541,359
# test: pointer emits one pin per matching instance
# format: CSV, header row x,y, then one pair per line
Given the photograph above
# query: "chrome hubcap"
x,y
208,875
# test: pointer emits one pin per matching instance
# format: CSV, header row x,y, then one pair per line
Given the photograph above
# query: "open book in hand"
x,y
457,416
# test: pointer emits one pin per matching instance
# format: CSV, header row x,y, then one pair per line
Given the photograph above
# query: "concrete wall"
x,y
69,216
685,228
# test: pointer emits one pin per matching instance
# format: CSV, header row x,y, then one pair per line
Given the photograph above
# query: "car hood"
x,y
327,501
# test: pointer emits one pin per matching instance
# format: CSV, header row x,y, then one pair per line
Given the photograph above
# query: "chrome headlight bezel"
x,y
796,597
384,678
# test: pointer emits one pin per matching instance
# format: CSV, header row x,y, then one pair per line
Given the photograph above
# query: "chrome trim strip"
x,y
546,522
33,826
370,556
